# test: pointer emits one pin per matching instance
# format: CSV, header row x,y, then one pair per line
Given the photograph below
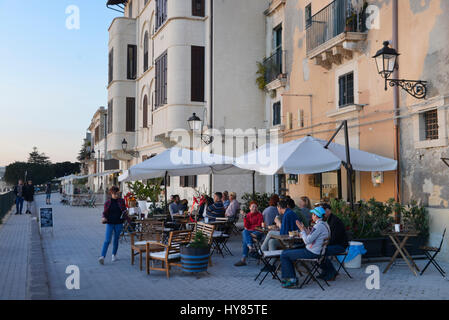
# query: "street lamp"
x,y
196,125
134,154
386,61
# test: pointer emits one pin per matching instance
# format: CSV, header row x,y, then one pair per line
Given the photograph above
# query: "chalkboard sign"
x,y
45,218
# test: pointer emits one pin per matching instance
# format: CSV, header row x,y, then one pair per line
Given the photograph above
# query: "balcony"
x,y
275,75
335,32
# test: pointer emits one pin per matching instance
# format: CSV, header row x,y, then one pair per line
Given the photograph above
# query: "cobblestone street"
x,y
78,237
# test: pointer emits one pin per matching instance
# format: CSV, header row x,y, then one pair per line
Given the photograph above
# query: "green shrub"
x,y
262,200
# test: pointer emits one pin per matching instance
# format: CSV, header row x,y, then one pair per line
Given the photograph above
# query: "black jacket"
x,y
338,231
28,192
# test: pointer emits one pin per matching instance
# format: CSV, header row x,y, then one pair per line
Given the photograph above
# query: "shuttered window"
x,y
111,68
161,13
197,76
130,114
277,113
97,134
145,112
132,62
145,52
198,8
188,181
161,80
110,110
346,89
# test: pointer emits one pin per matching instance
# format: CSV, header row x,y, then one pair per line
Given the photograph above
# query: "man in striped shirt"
x,y
217,209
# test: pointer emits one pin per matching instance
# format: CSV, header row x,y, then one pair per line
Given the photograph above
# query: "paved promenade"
x,y
78,238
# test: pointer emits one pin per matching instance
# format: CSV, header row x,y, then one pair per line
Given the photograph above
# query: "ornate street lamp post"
x,y
196,125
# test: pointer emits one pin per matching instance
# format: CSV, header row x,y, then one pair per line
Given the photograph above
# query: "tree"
x,y
84,153
38,158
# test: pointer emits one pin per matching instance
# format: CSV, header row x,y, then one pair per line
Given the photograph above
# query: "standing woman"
x,y
114,214
28,195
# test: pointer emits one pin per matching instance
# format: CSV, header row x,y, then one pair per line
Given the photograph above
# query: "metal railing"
x,y
337,17
274,65
6,202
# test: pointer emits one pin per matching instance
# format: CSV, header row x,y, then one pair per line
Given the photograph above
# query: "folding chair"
x,y
220,240
431,258
271,261
311,266
341,264
235,229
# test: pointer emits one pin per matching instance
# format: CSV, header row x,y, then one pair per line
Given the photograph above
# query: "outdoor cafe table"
x,y
400,248
287,241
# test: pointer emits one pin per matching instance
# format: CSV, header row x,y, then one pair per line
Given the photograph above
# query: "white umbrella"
x,y
181,162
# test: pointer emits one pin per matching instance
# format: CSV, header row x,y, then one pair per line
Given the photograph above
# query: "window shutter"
x,y
110,113
145,112
198,8
111,64
145,52
197,73
130,114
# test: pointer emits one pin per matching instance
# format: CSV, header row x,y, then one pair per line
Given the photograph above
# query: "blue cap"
x,y
319,212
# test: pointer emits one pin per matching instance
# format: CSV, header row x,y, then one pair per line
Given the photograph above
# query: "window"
x,y
97,134
188,181
431,124
130,114
132,62
346,89
145,52
168,181
277,38
197,74
161,13
145,112
111,68
130,10
198,9
277,113
110,105
308,15
161,80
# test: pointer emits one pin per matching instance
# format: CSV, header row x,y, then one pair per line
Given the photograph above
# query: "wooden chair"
x,y
149,234
170,253
208,230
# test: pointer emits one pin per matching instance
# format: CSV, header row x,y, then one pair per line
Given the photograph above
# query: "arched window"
x,y
145,112
145,52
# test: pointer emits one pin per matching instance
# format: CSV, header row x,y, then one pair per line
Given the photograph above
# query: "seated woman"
x,y
271,211
252,220
314,241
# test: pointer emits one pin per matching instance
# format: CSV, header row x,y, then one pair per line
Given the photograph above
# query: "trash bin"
x,y
355,252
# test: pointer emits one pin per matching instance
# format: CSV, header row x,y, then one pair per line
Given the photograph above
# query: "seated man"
x,y
173,207
337,244
288,224
291,204
314,241
226,201
233,209
217,209
252,220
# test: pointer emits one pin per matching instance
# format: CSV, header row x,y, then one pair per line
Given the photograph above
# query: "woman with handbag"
x,y
114,214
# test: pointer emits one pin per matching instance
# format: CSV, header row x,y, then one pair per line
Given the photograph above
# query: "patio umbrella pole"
x,y
166,190
254,185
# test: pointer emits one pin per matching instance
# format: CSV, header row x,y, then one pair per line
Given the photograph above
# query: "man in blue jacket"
x,y
289,218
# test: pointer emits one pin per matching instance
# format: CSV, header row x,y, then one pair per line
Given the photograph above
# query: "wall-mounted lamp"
x,y
196,125
132,153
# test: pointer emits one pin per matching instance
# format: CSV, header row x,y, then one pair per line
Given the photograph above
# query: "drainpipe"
x,y
211,67
395,44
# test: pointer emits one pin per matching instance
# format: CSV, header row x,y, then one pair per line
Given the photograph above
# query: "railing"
x,y
274,66
337,17
6,203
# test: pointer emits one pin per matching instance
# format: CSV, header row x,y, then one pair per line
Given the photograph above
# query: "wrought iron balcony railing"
x,y
274,66
337,17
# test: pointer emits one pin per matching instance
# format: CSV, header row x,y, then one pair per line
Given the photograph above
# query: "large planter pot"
x,y
374,247
412,246
194,259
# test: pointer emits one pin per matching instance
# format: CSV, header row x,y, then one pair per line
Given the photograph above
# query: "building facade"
x,y
169,59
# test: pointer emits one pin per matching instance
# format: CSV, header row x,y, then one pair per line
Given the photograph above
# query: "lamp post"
x,y
386,61
196,125
132,153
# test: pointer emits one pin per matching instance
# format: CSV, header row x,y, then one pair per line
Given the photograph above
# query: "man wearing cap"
x,y
337,244
313,240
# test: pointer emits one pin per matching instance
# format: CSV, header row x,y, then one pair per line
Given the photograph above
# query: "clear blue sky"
x,y
52,79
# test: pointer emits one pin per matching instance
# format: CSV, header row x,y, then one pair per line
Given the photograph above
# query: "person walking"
x,y
114,214
28,195
48,193
18,191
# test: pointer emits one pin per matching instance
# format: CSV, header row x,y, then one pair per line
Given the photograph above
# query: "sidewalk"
x,y
14,250
79,236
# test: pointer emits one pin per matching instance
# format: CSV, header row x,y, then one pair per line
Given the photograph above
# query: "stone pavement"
x,y
78,238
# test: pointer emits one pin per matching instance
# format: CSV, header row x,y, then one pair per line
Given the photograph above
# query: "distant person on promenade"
x,y
114,215
48,193
18,191
28,195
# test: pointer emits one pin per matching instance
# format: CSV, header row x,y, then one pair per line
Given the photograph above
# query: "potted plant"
x,y
154,192
141,192
195,255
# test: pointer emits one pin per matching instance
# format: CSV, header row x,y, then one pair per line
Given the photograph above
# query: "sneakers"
x,y
240,263
290,283
114,258
101,260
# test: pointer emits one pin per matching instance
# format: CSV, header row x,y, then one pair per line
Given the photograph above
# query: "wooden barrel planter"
x,y
194,260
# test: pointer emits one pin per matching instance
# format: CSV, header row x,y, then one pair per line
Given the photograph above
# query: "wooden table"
x,y
287,241
400,248
265,230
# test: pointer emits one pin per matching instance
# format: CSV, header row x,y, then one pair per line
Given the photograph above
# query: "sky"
x,y
52,79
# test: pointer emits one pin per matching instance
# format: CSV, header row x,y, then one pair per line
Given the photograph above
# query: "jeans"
x,y
269,243
117,230
327,266
48,196
19,204
29,206
288,257
248,240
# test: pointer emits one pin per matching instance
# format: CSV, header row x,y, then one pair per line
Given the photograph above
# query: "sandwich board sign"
x,y
46,219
